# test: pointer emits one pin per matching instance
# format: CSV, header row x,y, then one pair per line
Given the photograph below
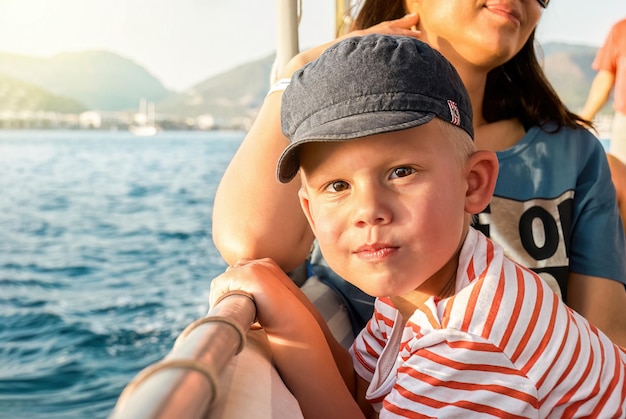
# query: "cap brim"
x,y
346,128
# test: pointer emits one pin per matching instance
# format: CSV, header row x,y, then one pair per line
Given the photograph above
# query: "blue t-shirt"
x,y
554,208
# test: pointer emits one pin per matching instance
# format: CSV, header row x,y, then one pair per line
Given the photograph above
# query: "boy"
x,y
380,129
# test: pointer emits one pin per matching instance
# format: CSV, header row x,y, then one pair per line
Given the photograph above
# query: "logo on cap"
x,y
454,112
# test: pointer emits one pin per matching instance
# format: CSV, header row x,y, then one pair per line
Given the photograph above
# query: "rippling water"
x,y
105,256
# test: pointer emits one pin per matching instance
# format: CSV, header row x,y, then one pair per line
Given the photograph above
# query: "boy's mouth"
x,y
375,252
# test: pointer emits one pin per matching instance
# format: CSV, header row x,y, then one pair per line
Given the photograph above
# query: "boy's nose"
x,y
371,208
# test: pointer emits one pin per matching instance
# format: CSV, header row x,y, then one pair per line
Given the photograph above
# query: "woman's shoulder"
x,y
548,142
550,132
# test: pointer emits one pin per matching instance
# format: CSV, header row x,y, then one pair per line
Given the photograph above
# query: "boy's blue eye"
x,y
337,186
402,172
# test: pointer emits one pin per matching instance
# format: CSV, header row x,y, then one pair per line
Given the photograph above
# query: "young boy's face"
x,y
388,210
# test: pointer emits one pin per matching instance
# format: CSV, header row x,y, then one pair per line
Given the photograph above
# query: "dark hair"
x,y
516,89
373,12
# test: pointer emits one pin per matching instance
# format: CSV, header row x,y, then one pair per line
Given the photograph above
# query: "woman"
x,y
554,208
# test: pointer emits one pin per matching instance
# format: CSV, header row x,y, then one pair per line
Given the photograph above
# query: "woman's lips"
x,y
505,10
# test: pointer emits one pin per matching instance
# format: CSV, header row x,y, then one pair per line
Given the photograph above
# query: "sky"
x,y
183,42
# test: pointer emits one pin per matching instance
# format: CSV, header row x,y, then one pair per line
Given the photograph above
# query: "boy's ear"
x,y
306,206
482,173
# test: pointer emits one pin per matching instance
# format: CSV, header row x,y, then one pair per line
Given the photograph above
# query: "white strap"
x,y
279,86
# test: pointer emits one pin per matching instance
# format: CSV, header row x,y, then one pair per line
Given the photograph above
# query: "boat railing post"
x,y
287,39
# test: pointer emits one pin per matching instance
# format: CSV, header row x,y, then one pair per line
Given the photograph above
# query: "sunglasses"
x,y
544,3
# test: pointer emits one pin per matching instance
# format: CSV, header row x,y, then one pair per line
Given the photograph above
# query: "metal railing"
x,y
185,382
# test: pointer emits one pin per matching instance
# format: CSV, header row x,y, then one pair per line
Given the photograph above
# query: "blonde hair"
x,y
460,140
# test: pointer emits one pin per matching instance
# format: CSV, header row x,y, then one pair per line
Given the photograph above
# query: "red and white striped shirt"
x,y
503,346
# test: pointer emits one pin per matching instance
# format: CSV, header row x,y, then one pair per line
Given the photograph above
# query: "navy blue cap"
x,y
369,85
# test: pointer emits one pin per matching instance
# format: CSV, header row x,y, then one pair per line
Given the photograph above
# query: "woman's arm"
x,y
601,301
254,215
618,176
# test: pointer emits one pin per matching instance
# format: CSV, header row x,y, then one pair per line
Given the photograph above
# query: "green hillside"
x,y
240,91
16,95
233,94
101,80
568,67
107,82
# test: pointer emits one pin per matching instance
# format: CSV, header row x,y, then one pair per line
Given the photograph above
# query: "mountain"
x,y
100,80
237,93
568,67
104,81
240,91
16,95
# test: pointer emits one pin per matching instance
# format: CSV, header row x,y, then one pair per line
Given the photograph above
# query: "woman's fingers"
x,y
406,25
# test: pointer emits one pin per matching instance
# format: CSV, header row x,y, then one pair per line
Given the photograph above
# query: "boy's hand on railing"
x,y
280,303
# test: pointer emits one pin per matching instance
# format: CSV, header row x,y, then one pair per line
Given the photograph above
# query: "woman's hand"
x,y
405,26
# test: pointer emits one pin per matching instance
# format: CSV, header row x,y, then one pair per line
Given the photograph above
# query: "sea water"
x,y
105,256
